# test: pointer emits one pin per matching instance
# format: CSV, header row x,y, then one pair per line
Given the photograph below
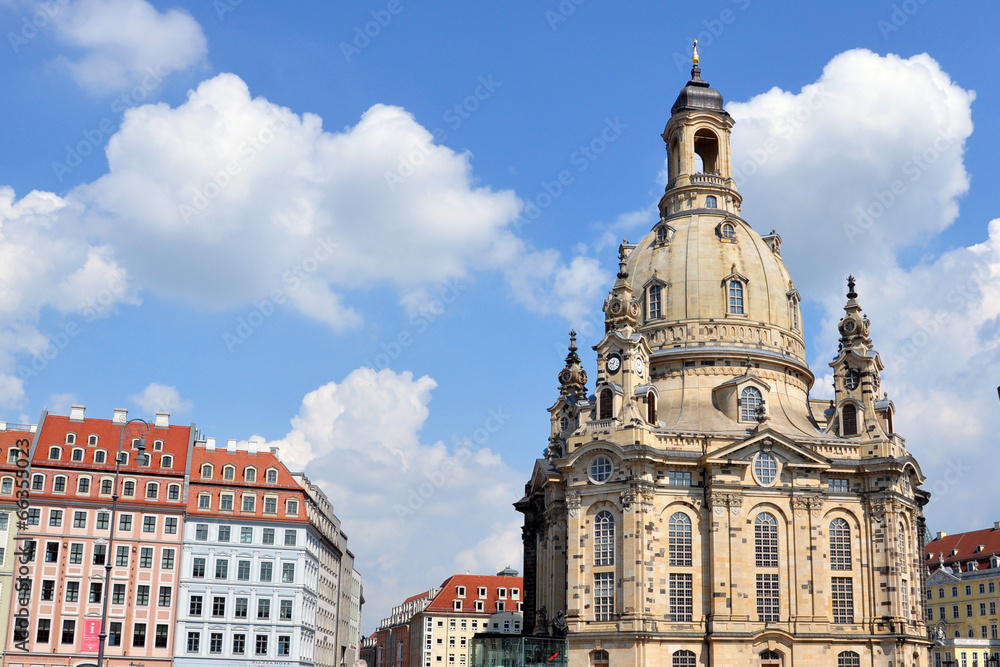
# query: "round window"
x,y
765,469
600,469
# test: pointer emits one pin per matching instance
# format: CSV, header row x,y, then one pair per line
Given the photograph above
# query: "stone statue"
x,y
559,624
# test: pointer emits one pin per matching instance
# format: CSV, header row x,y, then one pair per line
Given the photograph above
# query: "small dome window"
x,y
711,202
600,469
750,400
736,297
849,419
727,230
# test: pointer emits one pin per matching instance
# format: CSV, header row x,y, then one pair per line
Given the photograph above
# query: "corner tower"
x,y
696,507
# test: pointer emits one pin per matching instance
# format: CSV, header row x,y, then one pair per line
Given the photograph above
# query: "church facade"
x,y
695,506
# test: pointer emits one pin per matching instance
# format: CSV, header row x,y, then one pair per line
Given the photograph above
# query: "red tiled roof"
x,y
968,547
444,601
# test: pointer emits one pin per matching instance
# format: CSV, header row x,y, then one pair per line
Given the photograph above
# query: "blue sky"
x,y
385,204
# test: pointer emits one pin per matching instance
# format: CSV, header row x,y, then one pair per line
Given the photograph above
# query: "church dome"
x,y
697,94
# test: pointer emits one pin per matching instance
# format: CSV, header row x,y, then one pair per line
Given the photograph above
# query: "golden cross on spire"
x,y
694,55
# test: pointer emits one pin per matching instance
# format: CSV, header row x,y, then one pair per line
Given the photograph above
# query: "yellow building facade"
x,y
696,507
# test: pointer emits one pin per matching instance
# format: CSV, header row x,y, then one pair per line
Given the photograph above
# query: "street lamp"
x,y
143,429
992,661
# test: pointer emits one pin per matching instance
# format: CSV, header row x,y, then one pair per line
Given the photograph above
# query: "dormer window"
x,y
272,476
70,438
750,400
605,404
77,454
655,302
157,445
92,440
167,462
206,471
736,297
250,474
849,419
727,230
651,408
229,473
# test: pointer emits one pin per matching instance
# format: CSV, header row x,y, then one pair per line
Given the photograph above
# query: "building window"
x,y
194,605
765,468
215,642
250,474
839,485
224,532
125,522
198,568
711,202
142,595
727,230
166,462
849,419
651,408
201,531
766,540
55,453
852,659
100,553
655,302
51,552
221,568
95,591
292,507
767,597
59,486
679,534
37,482
243,570
601,468
270,505
288,573
129,489
606,404
604,538
246,535
676,478
44,629
204,501
750,400
261,647
75,554
681,599
48,590
106,487
266,570
843,600
173,492
268,536
100,456
193,642
162,632
166,593
272,476
604,596
249,503
170,525
284,644
7,486
291,537
840,545
226,502
285,611
240,609
69,632
683,659
149,523
83,485
206,471
121,558
77,454
239,644
72,591
736,297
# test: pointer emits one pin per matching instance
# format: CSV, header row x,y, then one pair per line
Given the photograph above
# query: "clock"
x,y
640,365
853,378
614,363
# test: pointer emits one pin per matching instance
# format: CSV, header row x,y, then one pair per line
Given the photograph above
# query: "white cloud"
x,y
60,404
158,397
542,282
411,508
126,43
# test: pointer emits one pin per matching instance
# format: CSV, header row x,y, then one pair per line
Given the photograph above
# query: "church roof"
x,y
697,94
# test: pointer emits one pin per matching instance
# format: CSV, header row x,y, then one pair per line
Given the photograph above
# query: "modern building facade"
x,y
962,596
697,506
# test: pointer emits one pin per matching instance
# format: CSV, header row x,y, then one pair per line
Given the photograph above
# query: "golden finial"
x,y
694,56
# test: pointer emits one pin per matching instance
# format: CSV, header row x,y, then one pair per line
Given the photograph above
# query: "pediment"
x,y
793,454
617,339
746,378
943,575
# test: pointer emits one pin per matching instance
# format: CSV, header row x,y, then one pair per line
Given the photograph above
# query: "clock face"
x,y
640,365
853,378
614,363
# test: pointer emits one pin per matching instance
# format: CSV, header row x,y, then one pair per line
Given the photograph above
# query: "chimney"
x,y
274,450
121,416
3,426
76,413
162,419
210,444
231,445
996,525
942,535
252,449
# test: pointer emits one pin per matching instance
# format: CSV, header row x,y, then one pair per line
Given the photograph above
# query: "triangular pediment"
x,y
943,575
616,338
767,440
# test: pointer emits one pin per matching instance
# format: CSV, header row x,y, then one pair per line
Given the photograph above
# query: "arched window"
x,y
901,548
651,408
599,658
38,482
250,474
750,399
711,202
206,471
604,538
59,484
679,533
229,473
605,404
129,489
123,457
55,453
7,486
770,657
100,456
174,492
683,659
840,545
83,485
765,533
70,438
706,148
157,445
106,486
735,297
77,454
167,462
849,419
655,302
152,490
271,476
848,659
92,440
727,230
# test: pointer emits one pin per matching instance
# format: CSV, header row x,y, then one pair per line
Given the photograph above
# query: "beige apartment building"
x,y
696,505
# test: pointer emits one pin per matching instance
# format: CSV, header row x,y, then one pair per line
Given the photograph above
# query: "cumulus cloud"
x,y
158,397
855,170
45,263
405,502
126,42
